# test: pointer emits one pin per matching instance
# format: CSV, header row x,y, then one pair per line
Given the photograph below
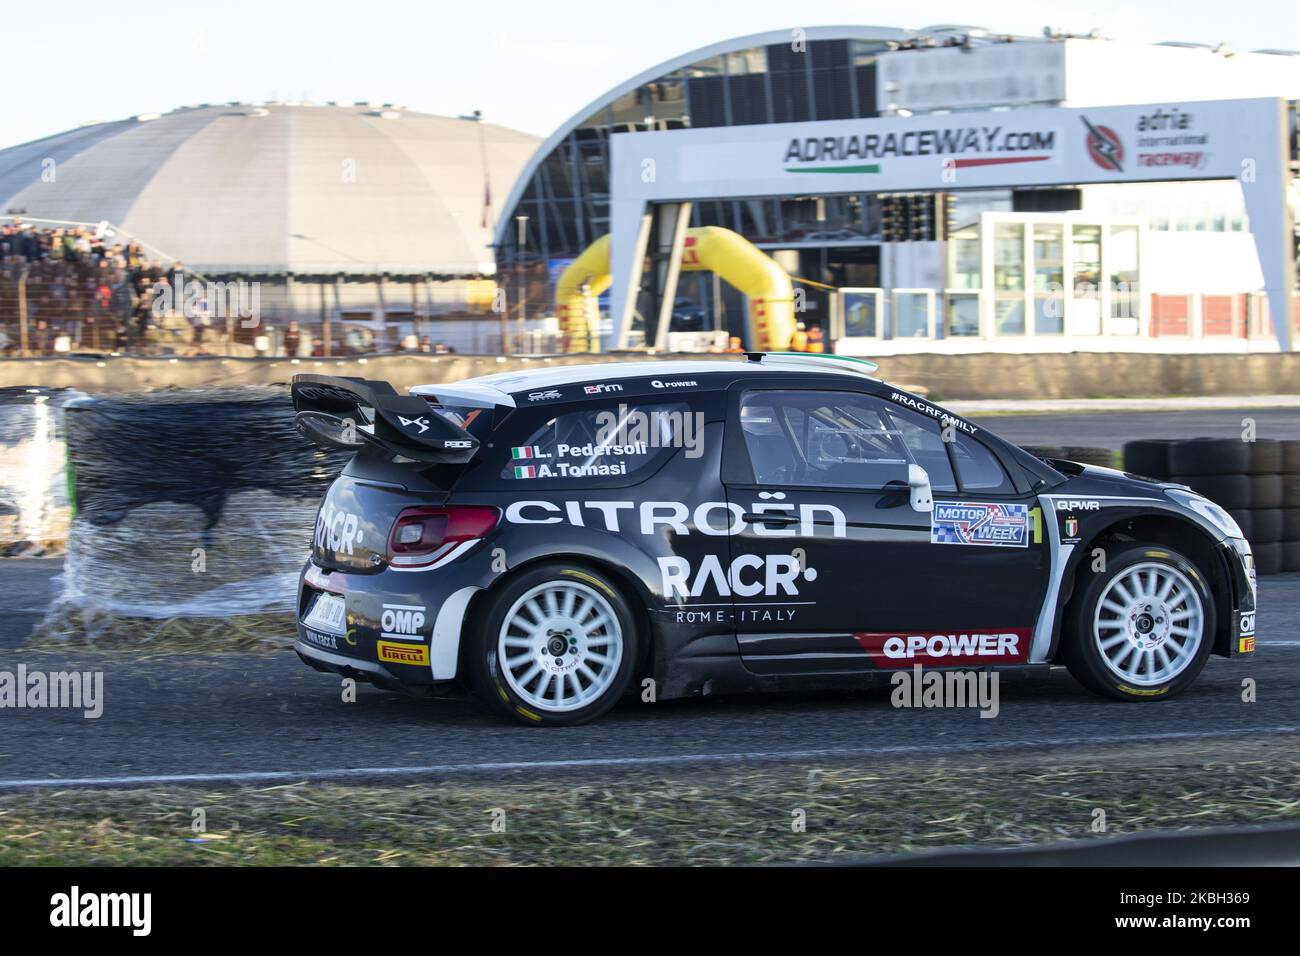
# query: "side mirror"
x,y
918,483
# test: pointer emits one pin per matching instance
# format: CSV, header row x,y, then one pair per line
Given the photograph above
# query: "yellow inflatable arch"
x,y
708,249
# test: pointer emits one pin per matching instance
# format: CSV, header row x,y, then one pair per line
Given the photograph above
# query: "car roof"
x,y
500,388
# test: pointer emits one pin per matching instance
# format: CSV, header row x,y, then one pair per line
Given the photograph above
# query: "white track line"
x,y
614,763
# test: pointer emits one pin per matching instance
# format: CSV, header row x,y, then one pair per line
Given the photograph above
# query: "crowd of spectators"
x,y
82,291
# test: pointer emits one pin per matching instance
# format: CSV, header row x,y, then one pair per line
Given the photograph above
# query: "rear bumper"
x,y
357,669
401,627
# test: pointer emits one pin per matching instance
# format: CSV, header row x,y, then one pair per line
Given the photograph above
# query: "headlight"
x,y
1208,510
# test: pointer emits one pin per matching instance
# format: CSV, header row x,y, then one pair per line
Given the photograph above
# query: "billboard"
x,y
991,149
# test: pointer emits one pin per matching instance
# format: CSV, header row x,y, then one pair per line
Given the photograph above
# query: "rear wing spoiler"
x,y
351,413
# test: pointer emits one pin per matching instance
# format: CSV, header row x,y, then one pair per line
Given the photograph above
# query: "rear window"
x,y
597,446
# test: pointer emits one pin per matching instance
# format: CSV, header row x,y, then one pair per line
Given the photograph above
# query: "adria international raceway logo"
x,y
1104,146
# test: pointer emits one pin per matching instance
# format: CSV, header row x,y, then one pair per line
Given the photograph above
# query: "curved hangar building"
x,y
1164,266
355,211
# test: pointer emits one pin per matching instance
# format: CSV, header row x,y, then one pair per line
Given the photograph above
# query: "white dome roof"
x,y
280,187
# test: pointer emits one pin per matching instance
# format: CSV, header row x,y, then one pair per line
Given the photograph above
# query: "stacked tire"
x,y
1083,454
1257,482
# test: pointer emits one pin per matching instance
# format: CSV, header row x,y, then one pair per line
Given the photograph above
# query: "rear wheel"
x,y
557,646
1143,628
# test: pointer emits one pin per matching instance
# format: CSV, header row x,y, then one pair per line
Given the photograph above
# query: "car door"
x,y
837,571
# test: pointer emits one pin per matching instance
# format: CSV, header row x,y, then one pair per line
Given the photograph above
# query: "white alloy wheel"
x,y
1149,624
560,646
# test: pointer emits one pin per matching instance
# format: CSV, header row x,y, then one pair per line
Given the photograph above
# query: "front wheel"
x,y
1143,628
556,646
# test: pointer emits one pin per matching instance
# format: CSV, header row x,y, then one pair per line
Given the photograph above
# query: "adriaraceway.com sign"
x,y
1214,139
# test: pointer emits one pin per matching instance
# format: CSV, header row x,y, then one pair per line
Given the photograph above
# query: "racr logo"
x,y
337,530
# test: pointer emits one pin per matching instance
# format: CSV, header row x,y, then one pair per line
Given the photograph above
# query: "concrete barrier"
x,y
985,375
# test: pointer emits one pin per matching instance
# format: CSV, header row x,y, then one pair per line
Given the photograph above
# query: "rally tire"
x,y
1290,524
1090,455
1118,615
1268,558
1265,526
1229,492
1291,491
1290,456
1266,491
1291,556
515,662
1148,457
1245,519
1209,456
1265,457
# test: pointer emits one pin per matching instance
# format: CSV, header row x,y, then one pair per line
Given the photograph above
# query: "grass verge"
x,y
732,815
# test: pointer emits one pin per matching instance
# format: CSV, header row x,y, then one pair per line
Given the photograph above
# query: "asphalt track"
x,y
254,718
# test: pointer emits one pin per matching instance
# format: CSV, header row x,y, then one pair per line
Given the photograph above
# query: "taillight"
x,y
421,537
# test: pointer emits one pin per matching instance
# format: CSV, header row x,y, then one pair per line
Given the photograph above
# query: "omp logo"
x,y
1105,148
401,620
770,575
422,423
899,650
1247,623
1078,504
337,530
75,909
391,653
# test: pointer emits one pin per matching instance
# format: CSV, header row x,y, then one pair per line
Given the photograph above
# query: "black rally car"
x,y
555,538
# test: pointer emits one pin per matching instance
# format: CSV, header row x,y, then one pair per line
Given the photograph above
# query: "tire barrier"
x,y
192,513
1084,455
1257,482
34,511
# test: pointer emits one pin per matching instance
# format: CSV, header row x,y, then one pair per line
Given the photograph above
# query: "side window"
x,y
925,441
834,440
600,445
977,469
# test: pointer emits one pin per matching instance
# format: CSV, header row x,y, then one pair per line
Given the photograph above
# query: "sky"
x,y
525,64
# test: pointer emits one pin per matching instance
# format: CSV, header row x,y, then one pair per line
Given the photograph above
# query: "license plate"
x,y
328,614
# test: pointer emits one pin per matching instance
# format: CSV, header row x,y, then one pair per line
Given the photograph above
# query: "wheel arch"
x,y
1176,532
630,588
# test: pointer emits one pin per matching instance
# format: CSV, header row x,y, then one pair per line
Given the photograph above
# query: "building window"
x,y
1085,255
964,267
1125,294
1009,278
1049,279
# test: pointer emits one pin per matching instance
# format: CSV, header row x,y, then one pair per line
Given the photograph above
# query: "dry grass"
x,y
717,816
70,628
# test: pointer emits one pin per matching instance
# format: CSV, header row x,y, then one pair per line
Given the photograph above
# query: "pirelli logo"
x,y
391,652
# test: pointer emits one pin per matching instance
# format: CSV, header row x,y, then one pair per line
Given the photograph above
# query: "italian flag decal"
x,y
524,451
525,471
